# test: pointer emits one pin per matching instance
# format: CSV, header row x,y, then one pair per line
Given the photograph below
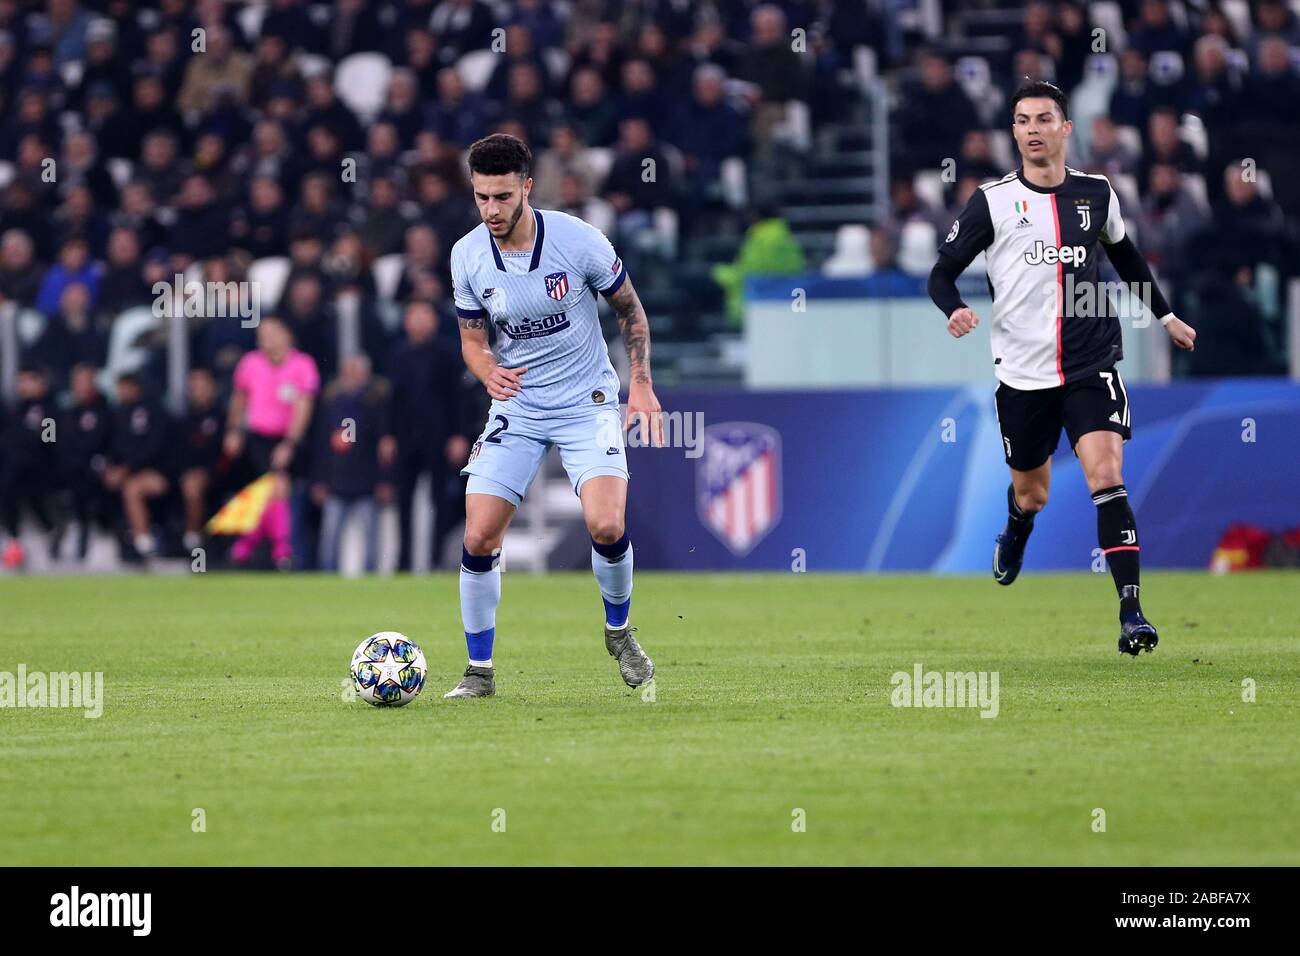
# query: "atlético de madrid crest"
x,y
738,483
557,285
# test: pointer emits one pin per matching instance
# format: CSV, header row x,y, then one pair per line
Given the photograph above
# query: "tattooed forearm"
x,y
479,322
635,327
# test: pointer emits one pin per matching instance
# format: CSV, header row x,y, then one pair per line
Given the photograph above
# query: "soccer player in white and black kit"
x,y
1055,348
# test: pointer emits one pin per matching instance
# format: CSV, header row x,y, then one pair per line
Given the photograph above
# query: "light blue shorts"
x,y
507,455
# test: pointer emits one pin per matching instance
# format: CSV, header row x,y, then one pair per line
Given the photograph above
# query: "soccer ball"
x,y
388,669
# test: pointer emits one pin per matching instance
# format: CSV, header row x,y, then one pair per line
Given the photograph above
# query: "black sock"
x,y
1019,521
1117,535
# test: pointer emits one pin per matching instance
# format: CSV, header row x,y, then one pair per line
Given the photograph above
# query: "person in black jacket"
x,y
27,462
426,375
82,453
198,450
136,451
354,452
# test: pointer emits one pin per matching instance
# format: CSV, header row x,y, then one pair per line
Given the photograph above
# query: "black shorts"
x,y
257,452
1031,420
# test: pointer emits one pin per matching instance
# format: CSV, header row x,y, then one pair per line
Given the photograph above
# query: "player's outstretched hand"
x,y
643,407
962,321
505,383
1184,335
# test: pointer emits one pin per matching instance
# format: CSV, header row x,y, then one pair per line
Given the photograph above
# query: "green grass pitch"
x,y
224,692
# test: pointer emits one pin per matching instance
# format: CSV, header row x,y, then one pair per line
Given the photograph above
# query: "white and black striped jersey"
x,y
1042,248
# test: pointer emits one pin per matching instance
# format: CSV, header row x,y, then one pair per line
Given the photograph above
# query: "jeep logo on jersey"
x,y
1067,255
557,285
535,328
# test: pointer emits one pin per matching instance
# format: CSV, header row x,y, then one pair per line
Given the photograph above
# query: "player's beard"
x,y
514,221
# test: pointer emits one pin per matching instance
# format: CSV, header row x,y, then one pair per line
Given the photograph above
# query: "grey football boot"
x,y
477,682
634,664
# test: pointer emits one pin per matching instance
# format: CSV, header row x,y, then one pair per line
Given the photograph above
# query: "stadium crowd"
x,y
145,140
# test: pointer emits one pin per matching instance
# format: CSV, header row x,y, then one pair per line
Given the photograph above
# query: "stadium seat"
x,y
312,64
852,255
1130,197
1195,184
1003,147
928,184
916,248
1091,98
796,128
1166,68
250,18
734,181
1192,131
865,68
268,277
6,174
1131,137
602,160
388,273
120,169
975,78
361,82
1108,15
475,69
1264,183
1237,13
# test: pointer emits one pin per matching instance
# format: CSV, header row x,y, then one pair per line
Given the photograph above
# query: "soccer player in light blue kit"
x,y
534,275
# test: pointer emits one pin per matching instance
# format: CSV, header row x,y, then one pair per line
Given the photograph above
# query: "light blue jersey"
x,y
543,305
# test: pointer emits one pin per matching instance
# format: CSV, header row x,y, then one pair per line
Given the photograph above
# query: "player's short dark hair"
x,y
499,154
1041,88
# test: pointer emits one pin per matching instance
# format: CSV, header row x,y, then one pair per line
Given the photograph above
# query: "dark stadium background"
x,y
316,151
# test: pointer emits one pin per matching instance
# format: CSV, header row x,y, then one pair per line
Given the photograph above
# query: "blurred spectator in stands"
x,y
81,166
778,73
269,153
221,68
1246,230
527,105
976,156
159,165
906,206
709,43
451,214
426,372
1071,43
1163,145
136,454
1156,31
382,222
597,47
272,65
289,20
543,23
402,106
1130,102
325,108
74,265
122,285
421,253
463,26
198,450
20,271
708,129
353,26
162,55
933,116
640,180
151,110
1273,18
567,156
71,335
201,222
1170,216
219,340
303,307
138,212
457,115
27,458
575,200
105,119
422,59
319,211
82,454
1274,87
519,49
261,226
641,95
270,413
354,452
589,109
1215,95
